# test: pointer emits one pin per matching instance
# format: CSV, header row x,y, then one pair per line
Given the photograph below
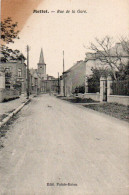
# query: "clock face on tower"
x,y
41,69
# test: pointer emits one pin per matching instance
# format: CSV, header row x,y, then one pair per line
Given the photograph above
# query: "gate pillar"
x,y
103,89
109,82
86,84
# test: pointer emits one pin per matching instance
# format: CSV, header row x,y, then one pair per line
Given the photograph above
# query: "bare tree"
x,y
108,54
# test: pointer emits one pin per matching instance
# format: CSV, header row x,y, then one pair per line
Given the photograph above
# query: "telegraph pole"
x,y
28,85
86,80
58,84
63,75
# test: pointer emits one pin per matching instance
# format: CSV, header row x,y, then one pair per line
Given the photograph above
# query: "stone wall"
x,y
93,96
7,94
118,99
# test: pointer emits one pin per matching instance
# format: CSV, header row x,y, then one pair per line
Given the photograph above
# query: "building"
x,y
2,79
41,67
76,78
35,82
50,85
40,82
37,75
73,78
15,72
118,55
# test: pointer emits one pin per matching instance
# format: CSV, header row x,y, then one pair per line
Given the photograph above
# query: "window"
x,y
19,72
7,70
36,81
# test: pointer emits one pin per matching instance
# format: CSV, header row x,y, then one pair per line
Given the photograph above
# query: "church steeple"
x,y
41,65
41,59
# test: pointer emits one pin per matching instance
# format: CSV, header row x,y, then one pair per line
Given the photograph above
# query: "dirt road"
x,y
57,148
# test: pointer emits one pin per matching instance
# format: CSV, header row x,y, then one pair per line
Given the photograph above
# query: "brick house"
x,y
15,73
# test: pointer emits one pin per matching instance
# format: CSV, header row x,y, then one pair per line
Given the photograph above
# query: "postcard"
x,y
64,97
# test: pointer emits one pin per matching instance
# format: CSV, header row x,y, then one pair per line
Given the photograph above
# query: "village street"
x,y
54,141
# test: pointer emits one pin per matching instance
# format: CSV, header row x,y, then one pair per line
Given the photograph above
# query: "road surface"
x,y
57,148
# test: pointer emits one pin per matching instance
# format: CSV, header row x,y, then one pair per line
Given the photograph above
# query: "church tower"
x,y
42,65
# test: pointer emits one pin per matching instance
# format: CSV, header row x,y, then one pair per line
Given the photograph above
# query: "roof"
x,y
74,66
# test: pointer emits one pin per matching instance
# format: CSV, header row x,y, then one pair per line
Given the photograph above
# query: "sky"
x,y
55,32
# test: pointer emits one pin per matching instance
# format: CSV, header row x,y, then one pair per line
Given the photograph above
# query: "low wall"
x,y
118,99
7,94
93,96
81,95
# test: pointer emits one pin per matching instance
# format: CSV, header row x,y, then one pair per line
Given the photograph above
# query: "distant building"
x,y
50,85
40,82
35,82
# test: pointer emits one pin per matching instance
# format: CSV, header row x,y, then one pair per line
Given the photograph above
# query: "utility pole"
x,y
63,75
86,81
58,84
28,85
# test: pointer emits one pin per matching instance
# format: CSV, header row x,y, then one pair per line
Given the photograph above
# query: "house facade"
x,y
77,76
74,77
2,79
15,73
35,82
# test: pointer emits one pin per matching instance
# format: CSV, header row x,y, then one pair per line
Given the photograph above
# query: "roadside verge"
x,y
115,110
10,115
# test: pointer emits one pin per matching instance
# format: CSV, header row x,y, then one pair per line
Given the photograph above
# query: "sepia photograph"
x,y
64,97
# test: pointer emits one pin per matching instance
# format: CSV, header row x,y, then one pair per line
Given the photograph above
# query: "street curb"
x,y
6,119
